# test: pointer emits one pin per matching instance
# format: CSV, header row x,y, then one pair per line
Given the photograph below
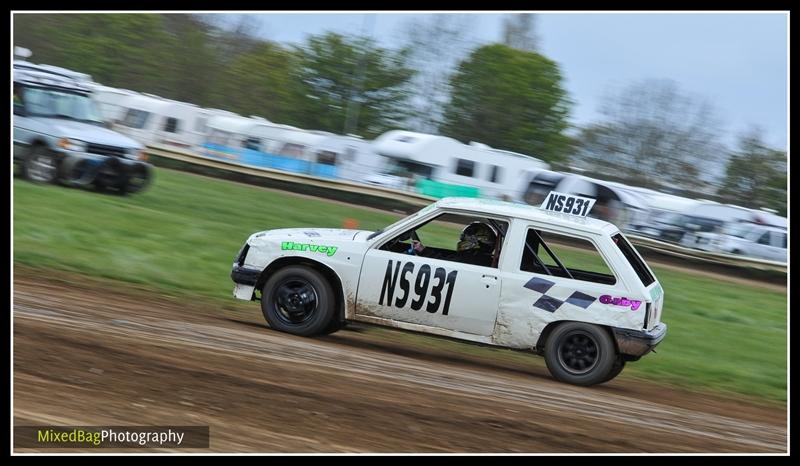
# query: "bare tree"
x,y
519,32
437,44
655,135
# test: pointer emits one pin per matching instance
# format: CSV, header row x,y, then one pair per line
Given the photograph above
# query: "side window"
x,y
457,238
292,150
218,137
200,124
171,125
252,143
764,239
550,253
465,167
18,96
633,259
783,240
494,173
326,157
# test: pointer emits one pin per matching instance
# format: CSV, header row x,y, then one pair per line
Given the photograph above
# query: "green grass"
x,y
180,236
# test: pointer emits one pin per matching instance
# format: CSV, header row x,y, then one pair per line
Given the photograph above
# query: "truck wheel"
x,y
298,300
40,165
138,178
580,354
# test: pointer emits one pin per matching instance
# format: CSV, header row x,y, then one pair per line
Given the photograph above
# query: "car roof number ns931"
x,y
567,204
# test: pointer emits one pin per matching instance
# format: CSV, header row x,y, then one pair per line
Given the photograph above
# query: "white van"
x,y
757,241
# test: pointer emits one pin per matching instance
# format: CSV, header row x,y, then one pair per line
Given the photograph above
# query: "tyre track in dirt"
x,y
261,390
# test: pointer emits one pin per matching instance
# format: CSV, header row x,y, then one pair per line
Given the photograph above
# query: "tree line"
x,y
507,95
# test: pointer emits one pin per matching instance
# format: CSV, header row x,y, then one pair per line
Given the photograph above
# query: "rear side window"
x,y
564,256
465,167
171,125
633,258
494,173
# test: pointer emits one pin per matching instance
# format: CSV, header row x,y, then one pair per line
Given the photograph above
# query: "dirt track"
x,y
88,356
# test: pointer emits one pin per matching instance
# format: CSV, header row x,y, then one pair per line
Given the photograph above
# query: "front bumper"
x,y
242,275
81,168
637,343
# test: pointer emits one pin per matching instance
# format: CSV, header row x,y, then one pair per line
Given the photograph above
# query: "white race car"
x,y
547,280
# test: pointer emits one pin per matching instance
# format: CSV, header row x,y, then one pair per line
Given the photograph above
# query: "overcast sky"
x,y
738,61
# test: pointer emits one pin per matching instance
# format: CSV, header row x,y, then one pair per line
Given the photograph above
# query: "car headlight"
x,y
138,154
72,144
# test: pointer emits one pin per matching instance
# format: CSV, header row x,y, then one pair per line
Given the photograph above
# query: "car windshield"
x,y
56,103
671,219
414,215
738,230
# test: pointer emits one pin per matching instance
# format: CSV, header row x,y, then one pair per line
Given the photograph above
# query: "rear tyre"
x,y
298,300
580,354
619,365
40,165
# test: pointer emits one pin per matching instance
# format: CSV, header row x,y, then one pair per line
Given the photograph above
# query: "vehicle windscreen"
x,y
672,219
702,224
633,258
136,118
54,103
738,230
414,215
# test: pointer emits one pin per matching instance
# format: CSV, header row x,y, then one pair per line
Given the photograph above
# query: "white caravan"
x,y
112,102
441,166
154,120
354,157
257,142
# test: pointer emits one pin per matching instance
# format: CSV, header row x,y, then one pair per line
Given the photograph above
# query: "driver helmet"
x,y
477,237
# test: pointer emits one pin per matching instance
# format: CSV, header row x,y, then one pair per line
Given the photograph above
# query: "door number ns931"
x,y
423,280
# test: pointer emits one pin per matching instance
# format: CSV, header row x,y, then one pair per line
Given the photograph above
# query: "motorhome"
x,y
614,203
663,220
440,166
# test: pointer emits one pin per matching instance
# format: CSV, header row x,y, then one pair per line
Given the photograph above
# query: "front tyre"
x,y
298,300
581,354
40,165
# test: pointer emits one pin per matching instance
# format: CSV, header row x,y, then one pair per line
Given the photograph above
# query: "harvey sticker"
x,y
320,248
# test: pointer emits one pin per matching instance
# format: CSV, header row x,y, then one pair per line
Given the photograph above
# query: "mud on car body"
x,y
59,137
547,280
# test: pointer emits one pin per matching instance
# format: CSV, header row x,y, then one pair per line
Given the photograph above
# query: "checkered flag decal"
x,y
551,303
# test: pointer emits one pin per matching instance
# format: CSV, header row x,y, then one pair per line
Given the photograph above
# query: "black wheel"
x,y
334,326
138,178
580,354
298,300
619,364
40,165
109,178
